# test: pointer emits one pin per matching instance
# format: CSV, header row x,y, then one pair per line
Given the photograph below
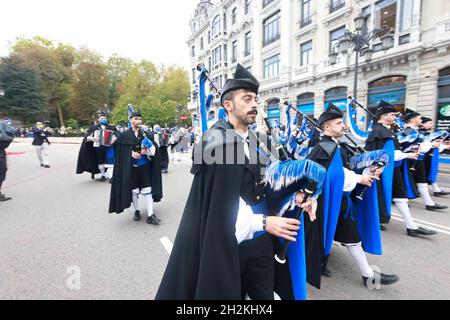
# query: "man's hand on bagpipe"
x,y
285,228
309,206
136,155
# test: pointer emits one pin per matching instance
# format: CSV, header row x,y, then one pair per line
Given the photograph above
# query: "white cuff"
x,y
257,222
350,181
358,178
399,155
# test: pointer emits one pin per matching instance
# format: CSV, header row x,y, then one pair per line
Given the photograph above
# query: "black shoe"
x,y
436,207
42,165
442,193
420,232
326,273
47,166
381,278
137,215
153,220
383,228
4,198
102,179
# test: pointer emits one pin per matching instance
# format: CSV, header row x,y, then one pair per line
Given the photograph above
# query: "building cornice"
x,y
306,32
338,16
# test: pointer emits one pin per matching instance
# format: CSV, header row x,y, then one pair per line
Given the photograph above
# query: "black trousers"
x,y
347,229
3,167
420,171
142,177
100,155
257,268
398,185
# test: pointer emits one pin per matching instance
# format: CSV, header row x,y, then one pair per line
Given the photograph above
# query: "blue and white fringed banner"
x,y
366,160
353,125
283,174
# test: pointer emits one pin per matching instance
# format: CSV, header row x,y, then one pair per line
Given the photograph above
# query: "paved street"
x,y
57,224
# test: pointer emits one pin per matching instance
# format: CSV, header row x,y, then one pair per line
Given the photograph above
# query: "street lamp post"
x,y
360,42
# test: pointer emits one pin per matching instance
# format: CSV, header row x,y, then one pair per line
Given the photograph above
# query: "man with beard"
x,y
219,252
93,156
137,170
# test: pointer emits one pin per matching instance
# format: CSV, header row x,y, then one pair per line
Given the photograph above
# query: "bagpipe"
x,y
298,137
205,103
146,143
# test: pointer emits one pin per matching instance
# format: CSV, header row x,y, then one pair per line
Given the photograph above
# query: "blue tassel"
x,y
222,113
367,159
209,101
283,174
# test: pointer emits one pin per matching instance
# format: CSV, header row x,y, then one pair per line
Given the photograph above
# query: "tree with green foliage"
x,y
23,97
117,69
90,92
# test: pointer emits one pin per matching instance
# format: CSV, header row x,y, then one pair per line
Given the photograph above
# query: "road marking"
x,y
425,222
432,228
166,244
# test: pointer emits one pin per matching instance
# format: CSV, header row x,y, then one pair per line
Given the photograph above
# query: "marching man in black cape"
x,y
137,171
92,158
217,254
432,157
413,120
337,219
391,187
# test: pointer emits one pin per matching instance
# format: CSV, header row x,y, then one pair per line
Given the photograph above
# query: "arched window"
x,y
305,103
215,26
234,16
273,110
391,89
337,96
443,107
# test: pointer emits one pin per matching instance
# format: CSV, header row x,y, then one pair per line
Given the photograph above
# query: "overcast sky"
x,y
137,29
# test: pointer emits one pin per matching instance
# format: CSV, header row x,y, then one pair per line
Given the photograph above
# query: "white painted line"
x,y
166,244
432,228
425,222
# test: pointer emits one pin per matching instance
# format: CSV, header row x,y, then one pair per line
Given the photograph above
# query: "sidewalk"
x,y
59,140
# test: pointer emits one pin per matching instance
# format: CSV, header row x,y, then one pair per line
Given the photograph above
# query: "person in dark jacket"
x,y
41,142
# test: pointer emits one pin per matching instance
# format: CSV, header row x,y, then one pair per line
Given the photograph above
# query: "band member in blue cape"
x,y
216,254
137,170
90,158
336,216
391,187
413,120
432,157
